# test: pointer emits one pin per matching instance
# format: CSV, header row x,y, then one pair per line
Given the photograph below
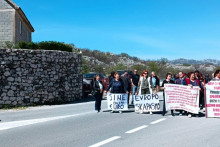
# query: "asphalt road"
x,y
78,125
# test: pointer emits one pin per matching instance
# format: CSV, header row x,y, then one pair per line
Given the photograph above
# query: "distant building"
x,y
14,25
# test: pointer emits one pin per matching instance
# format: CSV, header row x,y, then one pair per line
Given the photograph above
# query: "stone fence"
x,y
30,77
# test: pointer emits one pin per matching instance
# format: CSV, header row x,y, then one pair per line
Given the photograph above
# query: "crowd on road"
x,y
150,84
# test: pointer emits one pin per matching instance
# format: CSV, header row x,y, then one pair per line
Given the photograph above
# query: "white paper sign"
x,y
117,101
147,103
213,99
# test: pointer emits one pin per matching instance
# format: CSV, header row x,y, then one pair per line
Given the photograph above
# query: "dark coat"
x,y
96,87
112,86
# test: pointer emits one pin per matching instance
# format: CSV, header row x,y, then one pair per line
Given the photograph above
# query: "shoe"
x,y
120,112
180,114
112,111
189,115
163,114
141,112
151,113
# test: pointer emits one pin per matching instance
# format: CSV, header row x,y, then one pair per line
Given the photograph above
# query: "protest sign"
x,y
117,102
147,103
213,99
181,97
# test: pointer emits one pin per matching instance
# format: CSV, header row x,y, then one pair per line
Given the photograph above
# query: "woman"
x,y
166,81
117,86
144,85
98,92
192,81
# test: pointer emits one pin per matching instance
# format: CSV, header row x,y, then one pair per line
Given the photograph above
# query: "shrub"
x,y
45,45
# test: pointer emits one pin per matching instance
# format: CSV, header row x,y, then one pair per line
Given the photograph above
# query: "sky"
x,y
148,29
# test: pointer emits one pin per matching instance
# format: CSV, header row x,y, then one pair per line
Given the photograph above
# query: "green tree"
x,y
139,67
85,68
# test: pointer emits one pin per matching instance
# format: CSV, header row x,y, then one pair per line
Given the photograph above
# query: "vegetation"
x,y
44,45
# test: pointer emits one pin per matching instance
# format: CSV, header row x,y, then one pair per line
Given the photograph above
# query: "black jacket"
x,y
96,87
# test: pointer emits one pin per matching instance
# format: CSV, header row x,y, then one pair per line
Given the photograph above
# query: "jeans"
x,y
134,88
98,100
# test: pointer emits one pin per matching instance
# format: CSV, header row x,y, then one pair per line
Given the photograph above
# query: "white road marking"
x,y
15,124
157,121
136,129
105,141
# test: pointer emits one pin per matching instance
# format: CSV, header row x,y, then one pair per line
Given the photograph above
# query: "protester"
x,y
144,85
111,76
181,81
217,74
98,92
197,74
192,81
201,79
127,83
155,82
166,81
134,82
117,86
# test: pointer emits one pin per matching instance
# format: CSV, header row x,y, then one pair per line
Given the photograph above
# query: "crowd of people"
x,y
150,84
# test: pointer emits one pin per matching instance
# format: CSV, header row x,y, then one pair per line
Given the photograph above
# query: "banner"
x,y
213,99
180,97
147,103
117,102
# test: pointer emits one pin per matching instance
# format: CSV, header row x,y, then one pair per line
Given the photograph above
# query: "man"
x,y
181,81
155,82
127,83
134,82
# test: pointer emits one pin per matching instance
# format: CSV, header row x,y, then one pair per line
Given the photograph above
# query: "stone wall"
x,y
38,77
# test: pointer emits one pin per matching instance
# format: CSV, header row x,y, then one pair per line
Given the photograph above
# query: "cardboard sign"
x,y
117,102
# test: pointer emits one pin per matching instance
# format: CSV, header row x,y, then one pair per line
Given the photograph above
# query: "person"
x,y
134,82
197,74
166,81
181,81
111,76
98,92
155,82
217,74
201,79
192,81
144,85
127,83
117,86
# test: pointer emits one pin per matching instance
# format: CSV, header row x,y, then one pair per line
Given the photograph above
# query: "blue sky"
x,y
148,29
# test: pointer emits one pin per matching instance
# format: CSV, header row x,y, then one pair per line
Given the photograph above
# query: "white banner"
x,y
147,103
117,102
213,99
180,97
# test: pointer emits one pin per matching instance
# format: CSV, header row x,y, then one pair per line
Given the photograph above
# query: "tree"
x,y
139,67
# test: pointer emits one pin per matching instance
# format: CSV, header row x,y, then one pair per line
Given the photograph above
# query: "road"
x,y
78,125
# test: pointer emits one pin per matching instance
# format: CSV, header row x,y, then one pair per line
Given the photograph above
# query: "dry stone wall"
x,y
38,77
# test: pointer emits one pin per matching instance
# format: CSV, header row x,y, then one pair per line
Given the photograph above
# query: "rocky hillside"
x,y
105,62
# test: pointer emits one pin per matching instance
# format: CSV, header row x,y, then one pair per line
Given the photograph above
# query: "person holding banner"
x,y
166,81
181,81
117,86
192,81
144,85
98,92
